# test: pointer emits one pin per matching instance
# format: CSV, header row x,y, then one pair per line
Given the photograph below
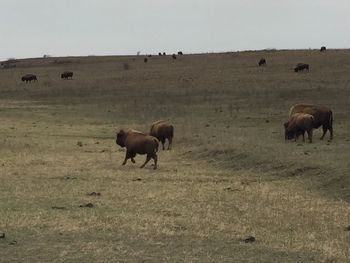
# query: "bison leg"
x,y
163,142
170,143
324,128
147,160
125,160
309,135
155,158
303,136
128,155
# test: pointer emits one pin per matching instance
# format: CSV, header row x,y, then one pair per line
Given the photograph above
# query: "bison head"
x,y
120,140
288,134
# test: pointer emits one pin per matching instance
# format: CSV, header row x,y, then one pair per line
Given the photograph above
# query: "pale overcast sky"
x,y
32,28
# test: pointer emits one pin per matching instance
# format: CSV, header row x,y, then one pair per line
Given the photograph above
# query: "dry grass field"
x,y
230,173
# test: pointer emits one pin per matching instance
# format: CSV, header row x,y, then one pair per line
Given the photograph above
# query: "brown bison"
x,y
323,48
323,116
67,75
302,67
29,77
138,143
298,124
162,130
262,62
160,54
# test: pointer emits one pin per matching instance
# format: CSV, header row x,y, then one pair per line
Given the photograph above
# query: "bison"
x,y
297,125
138,143
301,67
29,77
160,54
145,60
323,116
67,75
162,130
180,53
164,54
323,48
262,62
173,56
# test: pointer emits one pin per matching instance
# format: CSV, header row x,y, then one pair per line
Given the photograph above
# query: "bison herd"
x,y
137,142
303,118
306,117
299,67
31,77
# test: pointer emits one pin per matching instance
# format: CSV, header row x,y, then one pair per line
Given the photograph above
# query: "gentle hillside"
x,y
230,173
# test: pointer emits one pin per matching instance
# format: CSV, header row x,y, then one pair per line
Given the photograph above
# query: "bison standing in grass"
x,y
323,116
298,124
323,48
163,131
67,75
302,67
29,77
138,143
262,62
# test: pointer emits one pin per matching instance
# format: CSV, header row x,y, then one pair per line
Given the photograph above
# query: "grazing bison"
x,y
138,143
29,77
262,62
323,116
301,67
164,54
297,125
162,130
67,75
323,49
145,60
160,54
174,56
180,53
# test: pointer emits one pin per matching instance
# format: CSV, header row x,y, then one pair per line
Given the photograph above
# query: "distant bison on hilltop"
x,y
138,143
180,53
323,49
262,62
297,125
323,116
67,75
302,67
29,77
163,131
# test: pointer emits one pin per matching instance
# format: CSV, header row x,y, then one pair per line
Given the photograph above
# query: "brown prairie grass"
x,y
230,173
